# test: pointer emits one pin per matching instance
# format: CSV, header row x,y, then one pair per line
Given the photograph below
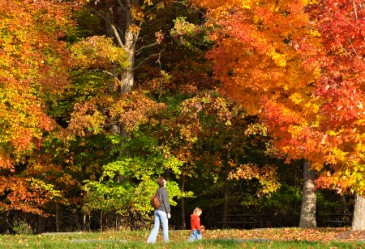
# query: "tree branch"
x,y
115,30
353,49
146,46
94,70
149,57
123,6
355,9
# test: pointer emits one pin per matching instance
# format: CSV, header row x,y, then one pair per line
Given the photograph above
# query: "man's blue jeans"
x,y
195,234
160,218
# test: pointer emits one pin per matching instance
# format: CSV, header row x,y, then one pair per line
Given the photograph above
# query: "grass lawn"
x,y
256,239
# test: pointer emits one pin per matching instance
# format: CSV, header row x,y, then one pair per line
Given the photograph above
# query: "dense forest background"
x,y
100,98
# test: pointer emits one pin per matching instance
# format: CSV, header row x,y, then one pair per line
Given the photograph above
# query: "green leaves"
x,y
128,182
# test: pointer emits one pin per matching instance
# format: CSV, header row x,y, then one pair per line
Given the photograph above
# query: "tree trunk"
x,y
41,227
127,77
358,221
183,221
130,40
308,209
226,191
101,220
120,22
84,222
225,204
57,217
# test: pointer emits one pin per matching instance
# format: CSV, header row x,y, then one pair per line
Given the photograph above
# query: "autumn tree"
x,y
341,88
123,21
106,107
313,102
34,63
212,137
261,58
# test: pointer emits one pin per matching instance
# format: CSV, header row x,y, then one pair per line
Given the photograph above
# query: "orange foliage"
x,y
34,65
33,69
134,109
24,194
263,57
341,87
267,176
299,66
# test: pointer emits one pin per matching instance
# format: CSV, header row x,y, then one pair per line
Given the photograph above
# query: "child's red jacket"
x,y
195,222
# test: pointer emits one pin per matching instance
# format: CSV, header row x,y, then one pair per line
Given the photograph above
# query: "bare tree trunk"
x,y
84,222
130,40
309,200
41,227
101,220
226,191
344,204
116,221
183,222
57,217
127,80
358,221
127,77
225,204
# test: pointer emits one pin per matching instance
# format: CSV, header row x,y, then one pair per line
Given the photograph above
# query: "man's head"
x,y
161,181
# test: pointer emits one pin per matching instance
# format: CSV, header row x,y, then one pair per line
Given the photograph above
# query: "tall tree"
x,y
261,58
211,135
341,86
108,61
308,80
123,20
34,62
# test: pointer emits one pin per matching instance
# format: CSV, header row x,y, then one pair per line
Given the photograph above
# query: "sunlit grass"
x,y
178,239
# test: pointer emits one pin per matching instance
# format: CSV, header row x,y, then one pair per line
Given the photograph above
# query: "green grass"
x,y
136,239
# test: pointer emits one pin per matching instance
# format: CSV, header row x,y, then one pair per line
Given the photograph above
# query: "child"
x,y
195,225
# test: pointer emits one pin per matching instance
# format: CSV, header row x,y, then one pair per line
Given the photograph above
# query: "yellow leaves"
x,y
307,2
183,27
279,59
87,119
339,155
246,171
315,33
256,129
135,109
318,166
348,176
189,132
98,52
137,13
33,67
246,4
6,162
148,2
266,175
317,73
257,19
333,133
297,98
295,131
134,28
67,179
